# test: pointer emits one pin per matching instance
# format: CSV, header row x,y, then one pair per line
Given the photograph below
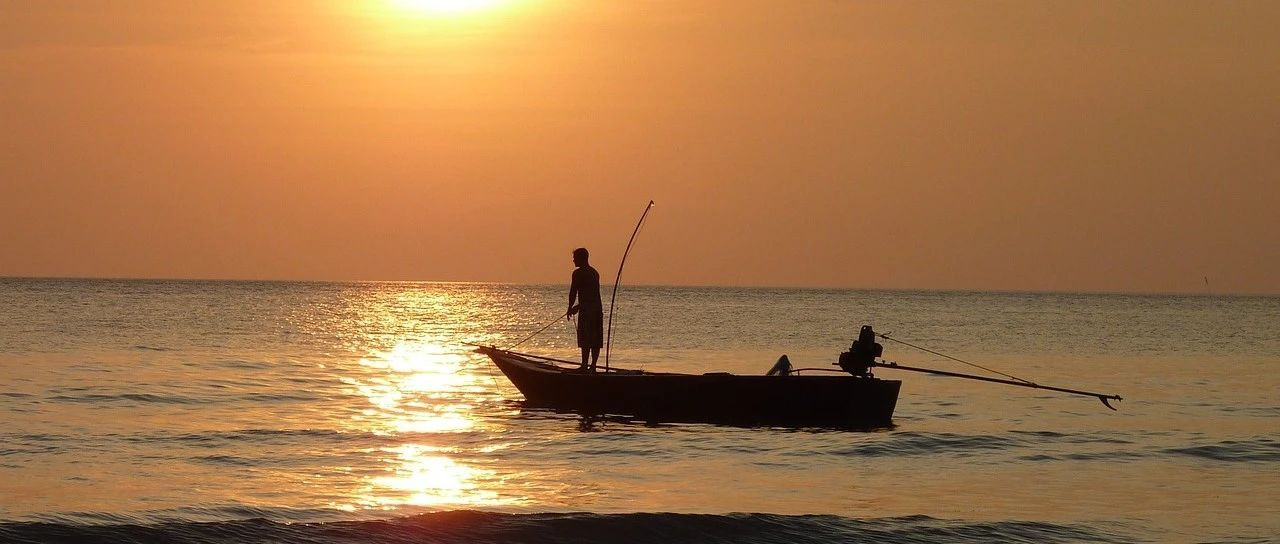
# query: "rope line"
x,y
886,337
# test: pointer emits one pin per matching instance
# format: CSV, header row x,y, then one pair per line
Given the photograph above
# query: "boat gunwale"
x,y
541,363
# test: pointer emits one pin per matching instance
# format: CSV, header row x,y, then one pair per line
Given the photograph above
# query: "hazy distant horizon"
x,y
607,286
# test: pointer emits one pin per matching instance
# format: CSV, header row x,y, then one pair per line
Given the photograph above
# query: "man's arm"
x,y
573,295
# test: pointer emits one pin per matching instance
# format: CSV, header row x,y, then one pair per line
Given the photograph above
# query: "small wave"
x,y
1261,449
472,526
29,449
30,444
930,444
151,348
1090,456
226,460
273,437
279,397
244,365
126,397
153,398
1073,438
1263,411
916,443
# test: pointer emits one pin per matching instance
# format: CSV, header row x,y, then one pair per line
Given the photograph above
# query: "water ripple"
x,y
148,398
1261,449
930,444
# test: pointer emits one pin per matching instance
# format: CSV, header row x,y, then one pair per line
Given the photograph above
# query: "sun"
x,y
443,7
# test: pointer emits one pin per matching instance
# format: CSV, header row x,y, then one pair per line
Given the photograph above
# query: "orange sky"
x,y
1094,146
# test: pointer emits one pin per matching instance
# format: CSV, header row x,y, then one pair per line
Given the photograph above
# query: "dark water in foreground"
x,y
322,412
471,526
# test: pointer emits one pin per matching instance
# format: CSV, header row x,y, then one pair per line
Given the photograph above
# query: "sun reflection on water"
x,y
424,393
418,388
424,476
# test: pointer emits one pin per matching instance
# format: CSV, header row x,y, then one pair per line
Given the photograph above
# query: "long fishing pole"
x,y
539,331
616,281
1013,381
1102,397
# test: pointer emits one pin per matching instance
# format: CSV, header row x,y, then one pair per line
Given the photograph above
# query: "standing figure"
x,y
585,289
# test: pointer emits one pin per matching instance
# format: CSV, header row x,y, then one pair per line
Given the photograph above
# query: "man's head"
x,y
580,256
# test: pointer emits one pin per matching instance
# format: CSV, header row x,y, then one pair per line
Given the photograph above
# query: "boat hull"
x,y
796,401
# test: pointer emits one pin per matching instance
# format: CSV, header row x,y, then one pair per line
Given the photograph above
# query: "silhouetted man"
x,y
585,289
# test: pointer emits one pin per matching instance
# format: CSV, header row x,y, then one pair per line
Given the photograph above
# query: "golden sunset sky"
x,y
1067,146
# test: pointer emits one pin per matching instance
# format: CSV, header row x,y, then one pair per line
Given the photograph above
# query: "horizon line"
x,y
660,285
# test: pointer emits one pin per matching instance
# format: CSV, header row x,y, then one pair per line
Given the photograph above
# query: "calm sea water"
x,y
335,412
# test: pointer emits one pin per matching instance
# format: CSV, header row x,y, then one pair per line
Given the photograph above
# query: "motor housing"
x,y
862,354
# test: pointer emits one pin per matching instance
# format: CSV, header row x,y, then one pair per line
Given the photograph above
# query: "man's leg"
x,y
585,352
595,356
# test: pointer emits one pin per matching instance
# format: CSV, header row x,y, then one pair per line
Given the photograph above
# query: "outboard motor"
x,y
862,354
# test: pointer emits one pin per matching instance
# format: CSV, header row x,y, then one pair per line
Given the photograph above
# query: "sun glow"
x,y
442,30
443,7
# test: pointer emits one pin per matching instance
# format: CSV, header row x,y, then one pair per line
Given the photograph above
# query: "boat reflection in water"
x,y
423,398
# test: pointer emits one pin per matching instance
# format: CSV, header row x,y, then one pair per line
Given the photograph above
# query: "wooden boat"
x,y
793,400
782,397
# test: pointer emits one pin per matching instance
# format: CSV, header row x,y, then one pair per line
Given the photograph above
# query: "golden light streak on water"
x,y
418,387
426,476
417,390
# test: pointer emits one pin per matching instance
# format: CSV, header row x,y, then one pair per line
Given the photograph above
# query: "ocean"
x,y
240,411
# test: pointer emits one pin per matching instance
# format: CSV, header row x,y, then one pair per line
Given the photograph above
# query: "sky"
x,y
1023,146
